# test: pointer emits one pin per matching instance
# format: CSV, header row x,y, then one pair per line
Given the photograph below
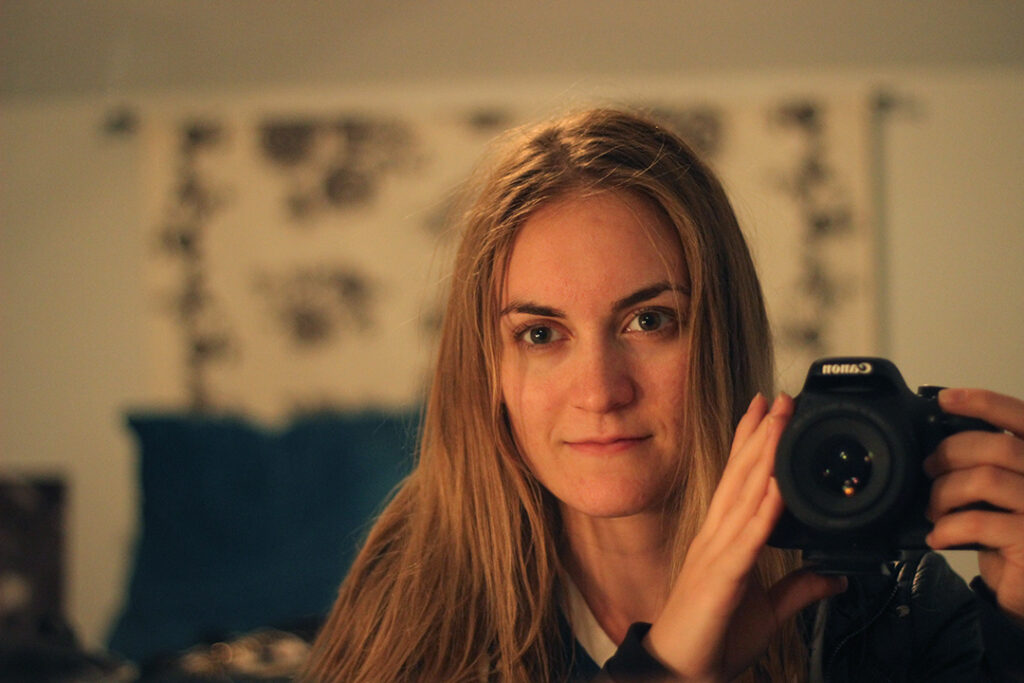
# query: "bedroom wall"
x,y
72,233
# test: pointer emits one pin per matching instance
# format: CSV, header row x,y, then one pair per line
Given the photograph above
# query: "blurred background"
x,y
83,85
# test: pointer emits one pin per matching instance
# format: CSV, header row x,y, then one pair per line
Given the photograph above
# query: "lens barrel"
x,y
839,469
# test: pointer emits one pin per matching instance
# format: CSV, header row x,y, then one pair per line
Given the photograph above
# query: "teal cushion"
x,y
244,527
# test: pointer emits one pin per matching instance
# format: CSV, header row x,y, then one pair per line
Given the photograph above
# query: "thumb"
x,y
801,588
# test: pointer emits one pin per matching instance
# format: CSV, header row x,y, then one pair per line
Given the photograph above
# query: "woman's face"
x,y
595,345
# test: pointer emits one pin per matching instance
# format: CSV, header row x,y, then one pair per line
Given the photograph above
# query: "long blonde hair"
x,y
458,579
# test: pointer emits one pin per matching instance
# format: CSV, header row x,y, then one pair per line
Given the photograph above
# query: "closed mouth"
x,y
607,444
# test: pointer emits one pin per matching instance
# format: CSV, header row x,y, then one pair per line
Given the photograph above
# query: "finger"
x,y
743,454
989,529
748,423
760,488
801,588
1005,412
743,540
985,483
972,449
737,474
754,532
732,476
733,562
741,537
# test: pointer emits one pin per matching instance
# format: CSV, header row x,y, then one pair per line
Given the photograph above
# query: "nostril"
x,y
606,386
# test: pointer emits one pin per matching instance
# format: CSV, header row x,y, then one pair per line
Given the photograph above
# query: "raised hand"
x,y
983,466
718,620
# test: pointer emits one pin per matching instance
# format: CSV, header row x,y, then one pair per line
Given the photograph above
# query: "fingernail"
x,y
753,401
952,396
777,405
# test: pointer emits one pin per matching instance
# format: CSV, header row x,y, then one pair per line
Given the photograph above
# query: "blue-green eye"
x,y
538,334
648,321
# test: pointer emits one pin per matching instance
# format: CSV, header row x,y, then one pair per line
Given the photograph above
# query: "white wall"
x,y
956,230
83,46
70,303
954,236
72,238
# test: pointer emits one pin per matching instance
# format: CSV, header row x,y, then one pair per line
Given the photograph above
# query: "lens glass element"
x,y
843,465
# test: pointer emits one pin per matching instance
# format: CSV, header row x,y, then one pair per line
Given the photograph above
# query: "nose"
x,y
603,381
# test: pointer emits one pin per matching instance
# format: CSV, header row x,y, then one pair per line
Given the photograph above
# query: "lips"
x,y
606,445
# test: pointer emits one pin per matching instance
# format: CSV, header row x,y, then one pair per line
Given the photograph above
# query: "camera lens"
x,y
844,465
839,470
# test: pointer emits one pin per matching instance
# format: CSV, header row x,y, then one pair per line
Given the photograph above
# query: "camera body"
x,y
849,465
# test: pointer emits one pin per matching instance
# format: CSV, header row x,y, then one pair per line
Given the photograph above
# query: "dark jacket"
x,y
919,622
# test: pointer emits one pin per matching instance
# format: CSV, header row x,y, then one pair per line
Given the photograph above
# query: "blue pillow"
x,y
244,527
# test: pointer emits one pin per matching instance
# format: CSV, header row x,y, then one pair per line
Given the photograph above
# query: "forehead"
x,y
604,242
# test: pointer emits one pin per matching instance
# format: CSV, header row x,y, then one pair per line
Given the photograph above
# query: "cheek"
x,y
529,400
668,388
675,388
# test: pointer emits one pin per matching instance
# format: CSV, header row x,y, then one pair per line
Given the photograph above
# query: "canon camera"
x,y
849,465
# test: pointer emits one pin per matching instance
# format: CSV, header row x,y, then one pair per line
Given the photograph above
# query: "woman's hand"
x,y
718,620
983,466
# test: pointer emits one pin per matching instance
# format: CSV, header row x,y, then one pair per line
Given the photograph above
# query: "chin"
x,y
612,502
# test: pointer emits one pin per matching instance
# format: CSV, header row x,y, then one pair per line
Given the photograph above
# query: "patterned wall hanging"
x,y
297,258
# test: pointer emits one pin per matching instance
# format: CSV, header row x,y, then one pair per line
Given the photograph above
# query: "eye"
x,y
538,335
650,320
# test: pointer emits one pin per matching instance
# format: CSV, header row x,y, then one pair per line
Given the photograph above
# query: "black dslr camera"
x,y
849,465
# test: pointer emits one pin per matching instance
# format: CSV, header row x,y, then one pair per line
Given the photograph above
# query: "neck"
x,y
621,566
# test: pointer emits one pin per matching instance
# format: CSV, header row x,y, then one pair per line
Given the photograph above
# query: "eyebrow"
x,y
639,296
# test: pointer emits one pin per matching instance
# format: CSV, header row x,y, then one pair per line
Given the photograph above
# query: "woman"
x,y
604,356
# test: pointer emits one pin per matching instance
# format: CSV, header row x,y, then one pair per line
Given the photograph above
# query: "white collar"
x,y
585,628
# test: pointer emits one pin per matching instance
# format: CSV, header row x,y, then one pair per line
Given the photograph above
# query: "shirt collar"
x,y
584,625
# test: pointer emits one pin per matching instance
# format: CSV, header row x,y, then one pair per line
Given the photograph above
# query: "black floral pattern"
x,y
326,276
206,335
314,306
826,212
336,164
